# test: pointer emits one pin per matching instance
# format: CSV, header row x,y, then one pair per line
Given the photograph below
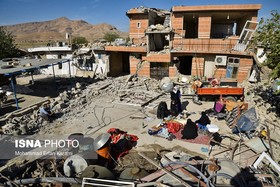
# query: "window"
x,y
138,25
232,67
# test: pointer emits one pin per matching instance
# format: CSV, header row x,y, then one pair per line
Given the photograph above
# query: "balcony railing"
x,y
205,45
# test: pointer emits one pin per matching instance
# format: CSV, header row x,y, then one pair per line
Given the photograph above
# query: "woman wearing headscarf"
x,y
190,130
175,106
203,121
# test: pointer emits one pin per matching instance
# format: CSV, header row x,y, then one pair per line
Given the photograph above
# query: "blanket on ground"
x,y
200,139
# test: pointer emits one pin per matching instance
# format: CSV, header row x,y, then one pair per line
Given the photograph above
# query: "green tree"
x,y
79,40
268,36
8,48
110,36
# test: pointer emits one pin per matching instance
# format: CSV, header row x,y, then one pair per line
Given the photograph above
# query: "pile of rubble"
x,y
129,90
259,95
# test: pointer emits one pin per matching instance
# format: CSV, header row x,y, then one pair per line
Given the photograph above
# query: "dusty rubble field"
x,y
104,112
92,108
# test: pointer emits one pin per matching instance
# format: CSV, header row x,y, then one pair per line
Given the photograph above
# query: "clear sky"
x,y
102,11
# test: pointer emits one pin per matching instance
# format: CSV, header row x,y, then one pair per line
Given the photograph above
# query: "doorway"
x,y
185,66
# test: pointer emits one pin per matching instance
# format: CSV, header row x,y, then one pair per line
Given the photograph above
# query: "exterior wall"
x,y
133,64
58,72
220,72
64,70
177,24
137,35
172,71
159,57
198,66
204,26
244,69
145,70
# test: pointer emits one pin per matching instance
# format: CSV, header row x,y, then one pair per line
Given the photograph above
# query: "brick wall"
x,y
172,71
144,71
177,24
245,65
204,26
159,57
133,64
138,34
177,21
220,72
197,66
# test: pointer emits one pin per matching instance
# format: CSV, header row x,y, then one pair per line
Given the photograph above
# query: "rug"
x,y
200,139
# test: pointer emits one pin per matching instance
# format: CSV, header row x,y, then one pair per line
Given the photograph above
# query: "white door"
x,y
209,66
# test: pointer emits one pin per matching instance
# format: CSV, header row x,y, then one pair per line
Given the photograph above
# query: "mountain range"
x,y
55,30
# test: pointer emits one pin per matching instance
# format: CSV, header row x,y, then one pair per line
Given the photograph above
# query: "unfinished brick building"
x,y
202,41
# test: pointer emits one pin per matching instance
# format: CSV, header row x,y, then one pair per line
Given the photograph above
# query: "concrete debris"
x,y
140,92
127,90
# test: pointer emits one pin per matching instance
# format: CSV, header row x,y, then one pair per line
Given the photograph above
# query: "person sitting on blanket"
x,y
190,130
203,121
121,142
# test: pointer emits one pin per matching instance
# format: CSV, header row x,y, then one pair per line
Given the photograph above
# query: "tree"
x,y
79,40
110,36
268,36
8,48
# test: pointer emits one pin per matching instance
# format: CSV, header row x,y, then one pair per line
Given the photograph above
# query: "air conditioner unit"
x,y
221,60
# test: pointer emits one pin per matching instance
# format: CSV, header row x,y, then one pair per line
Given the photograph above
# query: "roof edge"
x,y
216,7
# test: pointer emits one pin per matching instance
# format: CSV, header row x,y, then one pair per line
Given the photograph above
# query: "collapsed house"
x,y
202,41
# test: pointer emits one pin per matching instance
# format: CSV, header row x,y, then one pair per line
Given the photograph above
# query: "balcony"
x,y
205,45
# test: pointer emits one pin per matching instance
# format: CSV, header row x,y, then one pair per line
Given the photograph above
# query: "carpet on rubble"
x,y
200,139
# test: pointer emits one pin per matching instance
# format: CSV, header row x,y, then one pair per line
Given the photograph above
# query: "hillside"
x,y
55,30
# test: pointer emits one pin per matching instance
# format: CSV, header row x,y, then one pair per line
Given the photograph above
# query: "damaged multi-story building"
x,y
208,41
